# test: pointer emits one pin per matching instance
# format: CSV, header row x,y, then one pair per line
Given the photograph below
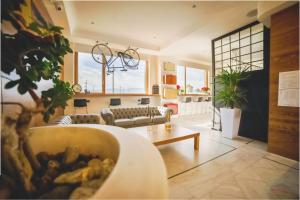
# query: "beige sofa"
x,y
78,119
132,117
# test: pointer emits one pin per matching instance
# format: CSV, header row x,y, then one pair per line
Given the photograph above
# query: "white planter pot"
x,y
139,172
230,120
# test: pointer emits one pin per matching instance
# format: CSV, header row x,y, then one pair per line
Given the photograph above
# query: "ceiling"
x,y
175,29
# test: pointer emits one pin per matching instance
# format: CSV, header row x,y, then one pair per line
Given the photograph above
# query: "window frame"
x,y
217,43
205,80
103,93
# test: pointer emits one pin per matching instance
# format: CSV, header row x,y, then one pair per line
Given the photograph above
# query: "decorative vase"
x,y
118,144
230,120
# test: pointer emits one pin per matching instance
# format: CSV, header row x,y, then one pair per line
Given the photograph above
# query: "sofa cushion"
x,y
121,113
154,111
85,119
138,112
158,119
124,122
142,120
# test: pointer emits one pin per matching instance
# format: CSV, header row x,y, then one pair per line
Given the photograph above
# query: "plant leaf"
x,y
11,84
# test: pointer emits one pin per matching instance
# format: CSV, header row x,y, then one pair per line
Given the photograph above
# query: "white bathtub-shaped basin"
x,y
139,171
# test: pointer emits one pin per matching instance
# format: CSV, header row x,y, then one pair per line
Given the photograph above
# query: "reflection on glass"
x,y
225,40
180,76
218,64
218,71
218,50
245,50
129,82
257,28
218,57
257,37
245,33
257,65
245,41
226,69
226,63
235,61
217,43
235,45
194,80
246,46
245,59
226,55
257,56
234,37
89,73
225,48
257,47
235,53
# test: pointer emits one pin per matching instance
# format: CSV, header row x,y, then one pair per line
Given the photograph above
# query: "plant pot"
x,y
230,120
137,174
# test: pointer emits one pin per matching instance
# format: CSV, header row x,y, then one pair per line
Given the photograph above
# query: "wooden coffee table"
x,y
159,135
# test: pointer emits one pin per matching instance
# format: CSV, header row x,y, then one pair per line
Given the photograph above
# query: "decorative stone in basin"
x,y
139,171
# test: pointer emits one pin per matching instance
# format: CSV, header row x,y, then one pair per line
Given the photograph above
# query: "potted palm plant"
x,y
231,96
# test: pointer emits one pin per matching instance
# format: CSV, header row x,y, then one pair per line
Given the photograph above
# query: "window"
x,y
194,80
89,73
181,77
244,46
90,77
129,82
190,80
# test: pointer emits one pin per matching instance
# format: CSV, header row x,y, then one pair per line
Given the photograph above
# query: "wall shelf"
x,y
169,81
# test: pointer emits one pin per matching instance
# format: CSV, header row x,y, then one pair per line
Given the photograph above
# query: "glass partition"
x,y
243,47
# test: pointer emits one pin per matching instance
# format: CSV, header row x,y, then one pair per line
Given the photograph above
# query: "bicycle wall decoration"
x,y
102,54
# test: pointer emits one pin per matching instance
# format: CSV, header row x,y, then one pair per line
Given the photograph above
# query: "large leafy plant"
x,y
34,51
230,94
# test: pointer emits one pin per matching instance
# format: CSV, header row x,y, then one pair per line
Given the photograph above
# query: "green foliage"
x,y
57,96
35,52
230,94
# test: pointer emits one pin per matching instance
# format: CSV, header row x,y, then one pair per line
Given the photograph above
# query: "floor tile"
x,y
228,169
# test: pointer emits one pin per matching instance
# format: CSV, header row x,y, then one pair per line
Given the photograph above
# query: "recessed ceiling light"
x,y
92,22
252,13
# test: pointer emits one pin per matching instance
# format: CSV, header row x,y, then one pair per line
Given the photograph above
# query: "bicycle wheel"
x,y
100,51
131,58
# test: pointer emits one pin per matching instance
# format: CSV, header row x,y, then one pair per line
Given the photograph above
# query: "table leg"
x,y
196,142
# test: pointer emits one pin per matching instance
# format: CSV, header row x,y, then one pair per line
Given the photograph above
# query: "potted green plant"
x,y
231,96
34,52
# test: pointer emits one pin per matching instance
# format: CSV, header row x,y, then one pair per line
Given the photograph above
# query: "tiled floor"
x,y
223,168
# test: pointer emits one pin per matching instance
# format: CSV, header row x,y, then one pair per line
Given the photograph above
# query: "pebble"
x,y
66,170
82,193
43,158
53,164
71,155
73,177
95,183
79,165
107,166
59,192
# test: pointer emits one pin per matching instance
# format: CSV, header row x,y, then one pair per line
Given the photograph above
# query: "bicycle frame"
x,y
122,55
119,55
